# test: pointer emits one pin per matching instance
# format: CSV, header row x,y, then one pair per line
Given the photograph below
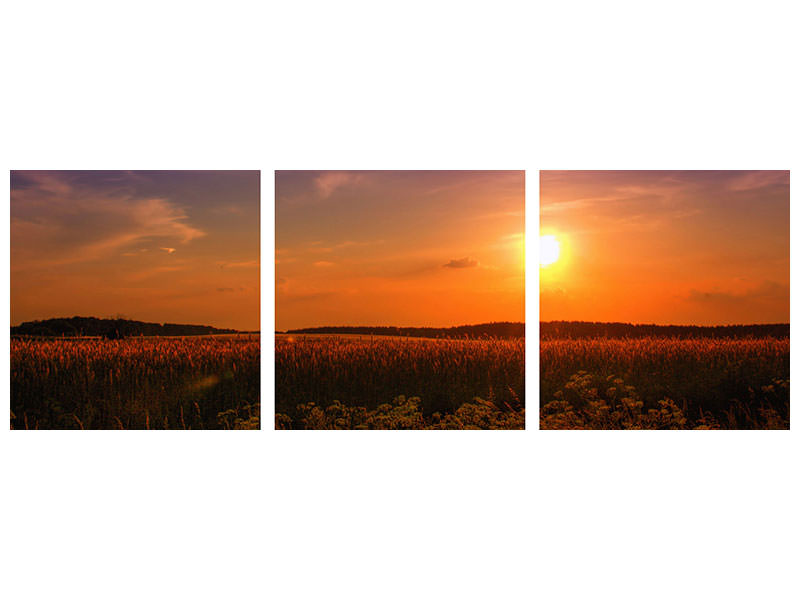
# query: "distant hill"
x,y
580,329
503,330
110,328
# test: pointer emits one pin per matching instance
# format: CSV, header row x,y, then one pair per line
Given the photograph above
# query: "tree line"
x,y
583,329
109,328
500,330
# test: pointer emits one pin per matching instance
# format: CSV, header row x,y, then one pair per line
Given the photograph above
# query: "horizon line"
x,y
668,324
410,326
126,318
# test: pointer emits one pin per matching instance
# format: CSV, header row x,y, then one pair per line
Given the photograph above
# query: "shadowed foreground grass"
x,y
665,383
148,383
398,383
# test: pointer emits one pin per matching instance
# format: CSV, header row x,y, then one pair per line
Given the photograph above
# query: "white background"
x,y
426,85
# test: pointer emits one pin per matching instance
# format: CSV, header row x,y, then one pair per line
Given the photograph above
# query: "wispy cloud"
x,y
245,264
461,263
768,290
55,222
317,246
754,180
767,302
622,200
138,252
327,183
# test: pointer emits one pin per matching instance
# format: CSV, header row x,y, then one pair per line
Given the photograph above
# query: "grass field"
x,y
665,383
148,383
363,382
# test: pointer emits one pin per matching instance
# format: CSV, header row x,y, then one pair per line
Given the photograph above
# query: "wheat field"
x,y
665,383
136,383
363,382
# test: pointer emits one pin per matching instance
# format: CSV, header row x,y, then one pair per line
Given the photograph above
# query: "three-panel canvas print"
x,y
399,300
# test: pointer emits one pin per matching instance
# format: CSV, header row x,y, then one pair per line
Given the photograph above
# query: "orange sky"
x,y
666,247
404,248
156,246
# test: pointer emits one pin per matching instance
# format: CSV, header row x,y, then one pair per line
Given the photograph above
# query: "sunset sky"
x,y
405,248
156,246
666,247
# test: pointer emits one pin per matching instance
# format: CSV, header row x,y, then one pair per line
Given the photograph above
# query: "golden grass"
x,y
665,383
148,383
398,383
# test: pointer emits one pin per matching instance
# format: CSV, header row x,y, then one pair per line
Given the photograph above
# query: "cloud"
x,y
158,217
461,263
57,221
327,183
135,253
244,264
318,247
168,250
754,180
648,199
767,290
225,289
768,302
323,263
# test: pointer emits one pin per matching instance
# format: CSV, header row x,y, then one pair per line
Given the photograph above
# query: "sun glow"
x,y
549,250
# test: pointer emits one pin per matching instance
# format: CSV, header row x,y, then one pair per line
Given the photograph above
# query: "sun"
x,y
549,250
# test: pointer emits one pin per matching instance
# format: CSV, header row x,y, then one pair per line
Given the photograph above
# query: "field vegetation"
x,y
665,383
374,382
144,383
